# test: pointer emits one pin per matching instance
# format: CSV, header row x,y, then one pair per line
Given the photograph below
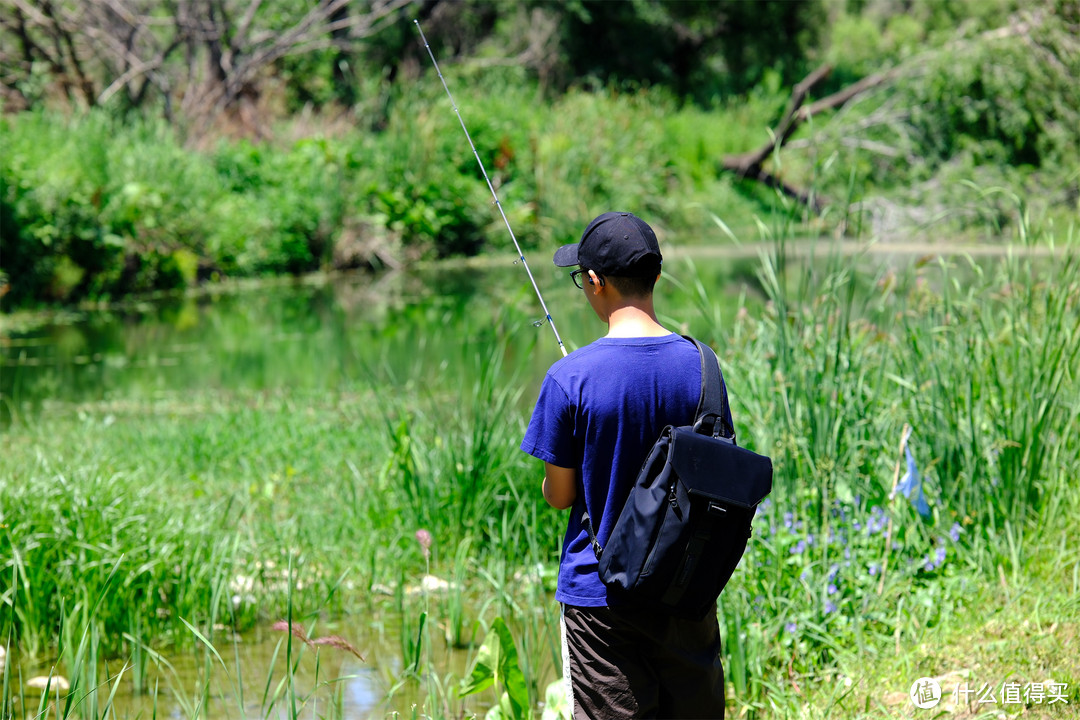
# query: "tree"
x,y
196,58
1003,97
699,48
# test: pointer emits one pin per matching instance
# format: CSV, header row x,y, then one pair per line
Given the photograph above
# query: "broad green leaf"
x,y
484,669
497,663
509,671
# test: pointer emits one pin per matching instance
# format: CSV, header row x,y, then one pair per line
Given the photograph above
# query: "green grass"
x,y
154,527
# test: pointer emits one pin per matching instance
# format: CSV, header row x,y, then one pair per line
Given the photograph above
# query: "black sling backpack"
x,y
687,520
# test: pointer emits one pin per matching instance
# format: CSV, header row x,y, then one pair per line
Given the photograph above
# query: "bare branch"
x,y
304,35
539,46
839,98
748,164
751,165
245,22
206,55
32,13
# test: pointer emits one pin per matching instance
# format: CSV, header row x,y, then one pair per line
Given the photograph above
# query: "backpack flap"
x,y
718,469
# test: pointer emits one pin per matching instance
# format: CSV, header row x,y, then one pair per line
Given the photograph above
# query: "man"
x,y
600,410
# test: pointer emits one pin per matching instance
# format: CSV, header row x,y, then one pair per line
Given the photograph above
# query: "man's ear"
x,y
597,283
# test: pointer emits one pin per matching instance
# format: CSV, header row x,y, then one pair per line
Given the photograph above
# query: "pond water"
x,y
326,332
315,334
247,678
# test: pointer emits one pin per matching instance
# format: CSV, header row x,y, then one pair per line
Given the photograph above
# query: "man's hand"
x,y
560,486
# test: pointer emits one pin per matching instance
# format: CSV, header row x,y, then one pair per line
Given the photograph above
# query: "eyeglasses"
x,y
576,277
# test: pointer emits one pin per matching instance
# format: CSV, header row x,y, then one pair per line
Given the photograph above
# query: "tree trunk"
x,y
751,165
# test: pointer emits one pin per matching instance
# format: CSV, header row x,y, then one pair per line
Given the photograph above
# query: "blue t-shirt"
x,y
600,410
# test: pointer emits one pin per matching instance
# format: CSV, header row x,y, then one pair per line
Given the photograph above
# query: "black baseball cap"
x,y
615,243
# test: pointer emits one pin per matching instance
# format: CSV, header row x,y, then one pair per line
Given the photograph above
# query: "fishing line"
x,y
521,255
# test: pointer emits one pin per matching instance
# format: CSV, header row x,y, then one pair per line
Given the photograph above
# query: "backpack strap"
x,y
713,411
597,548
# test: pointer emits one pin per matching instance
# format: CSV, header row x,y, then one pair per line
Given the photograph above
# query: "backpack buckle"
x,y
708,424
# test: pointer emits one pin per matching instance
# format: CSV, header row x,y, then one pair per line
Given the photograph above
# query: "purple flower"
x,y
791,627
789,519
954,532
878,521
799,548
873,569
934,561
833,569
424,538
830,608
831,589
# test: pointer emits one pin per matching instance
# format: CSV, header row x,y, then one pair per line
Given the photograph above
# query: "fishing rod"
x,y
521,255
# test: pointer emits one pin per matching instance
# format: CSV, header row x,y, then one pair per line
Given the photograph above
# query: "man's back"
x,y
601,408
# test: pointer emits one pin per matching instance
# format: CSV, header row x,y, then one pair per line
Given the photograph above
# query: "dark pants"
x,y
632,663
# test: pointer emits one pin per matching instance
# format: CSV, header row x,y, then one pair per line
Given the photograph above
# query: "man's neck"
x,y
635,321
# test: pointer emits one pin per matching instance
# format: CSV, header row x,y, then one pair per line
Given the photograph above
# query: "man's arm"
x,y
560,486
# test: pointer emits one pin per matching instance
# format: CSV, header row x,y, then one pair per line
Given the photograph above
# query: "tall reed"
x,y
979,359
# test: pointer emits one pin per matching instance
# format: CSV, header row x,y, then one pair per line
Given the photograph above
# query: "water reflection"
x,y
313,335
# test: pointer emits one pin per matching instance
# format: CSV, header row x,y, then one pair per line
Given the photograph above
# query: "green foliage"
x,y
433,217
859,47
497,664
95,208
134,212
1002,101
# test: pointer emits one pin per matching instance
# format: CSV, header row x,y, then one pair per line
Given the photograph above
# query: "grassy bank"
x,y
164,524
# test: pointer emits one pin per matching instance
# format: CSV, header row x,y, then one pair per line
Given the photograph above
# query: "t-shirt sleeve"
x,y
550,435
